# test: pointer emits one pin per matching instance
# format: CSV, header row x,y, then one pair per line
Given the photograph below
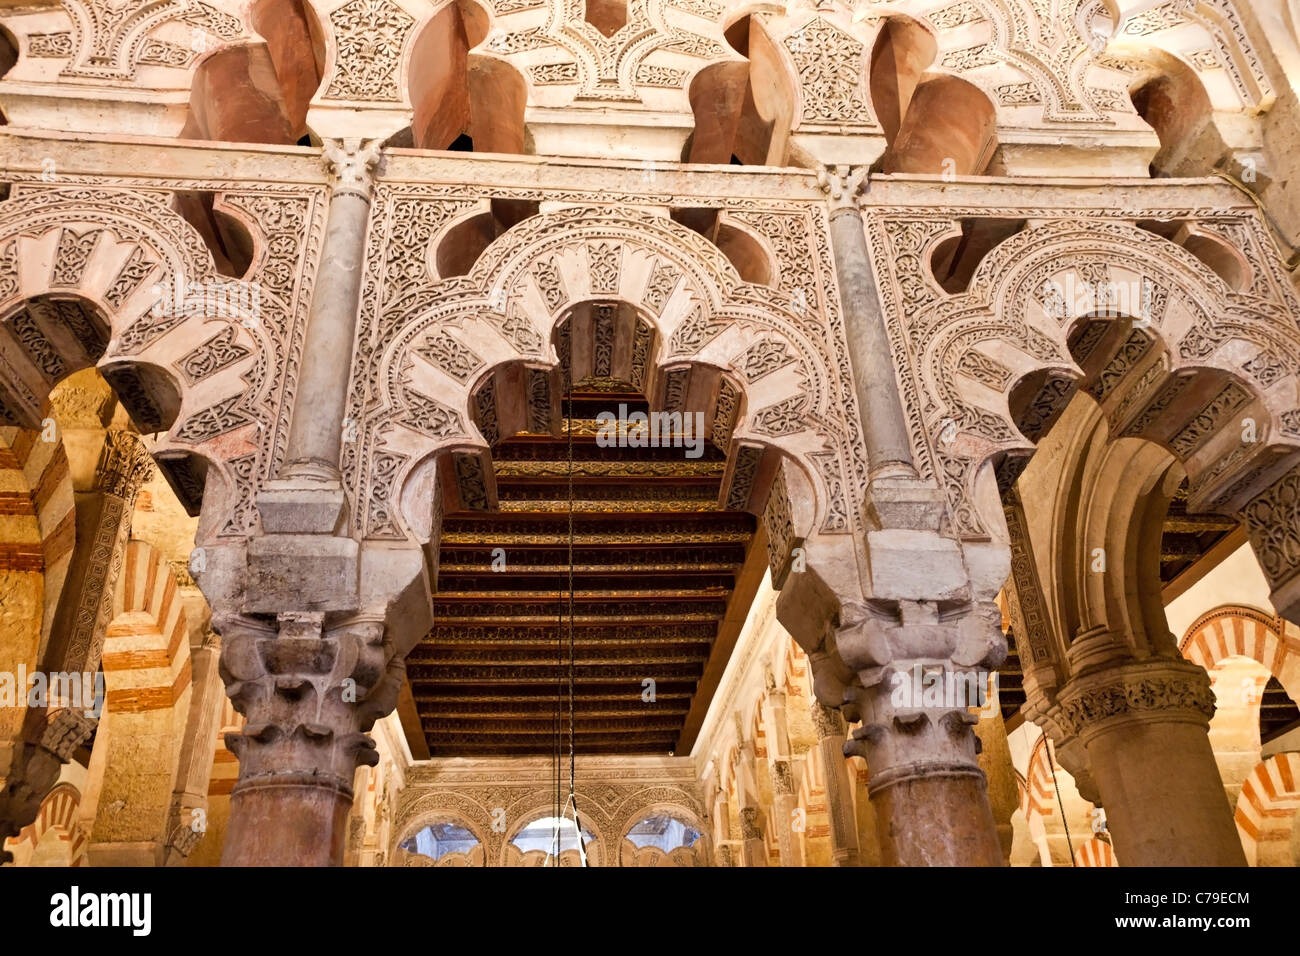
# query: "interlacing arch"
x,y
443,806
477,856
522,290
650,856
99,256
539,805
115,278
1139,358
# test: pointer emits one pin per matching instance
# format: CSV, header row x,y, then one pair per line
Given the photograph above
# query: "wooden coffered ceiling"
x,y
663,575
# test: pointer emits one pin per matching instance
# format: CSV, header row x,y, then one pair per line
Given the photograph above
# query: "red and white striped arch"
x,y
55,837
36,511
1095,852
1266,810
1239,631
146,649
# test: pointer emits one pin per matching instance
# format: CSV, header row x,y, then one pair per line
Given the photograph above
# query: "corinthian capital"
x,y
309,692
351,165
842,185
124,464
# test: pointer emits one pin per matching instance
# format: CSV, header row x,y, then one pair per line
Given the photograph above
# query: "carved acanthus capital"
x,y
749,824
309,689
124,464
842,186
351,164
903,743
870,641
1154,691
1113,698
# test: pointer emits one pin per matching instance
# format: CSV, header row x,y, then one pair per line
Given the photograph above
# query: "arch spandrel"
x,y
1007,321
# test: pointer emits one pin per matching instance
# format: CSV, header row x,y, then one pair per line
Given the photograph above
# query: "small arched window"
x,y
542,834
663,832
440,839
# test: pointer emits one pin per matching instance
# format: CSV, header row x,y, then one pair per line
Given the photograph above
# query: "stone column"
x,y
783,769
995,761
929,794
722,842
304,508
316,431
309,690
884,429
316,625
753,850
1144,726
916,682
104,504
839,788
187,817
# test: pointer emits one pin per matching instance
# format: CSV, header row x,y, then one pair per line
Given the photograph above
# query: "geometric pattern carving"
x,y
934,334
784,418
748,458
781,540
604,263
211,422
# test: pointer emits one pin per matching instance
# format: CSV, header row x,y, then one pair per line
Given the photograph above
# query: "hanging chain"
x,y
556,746
572,801
573,750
